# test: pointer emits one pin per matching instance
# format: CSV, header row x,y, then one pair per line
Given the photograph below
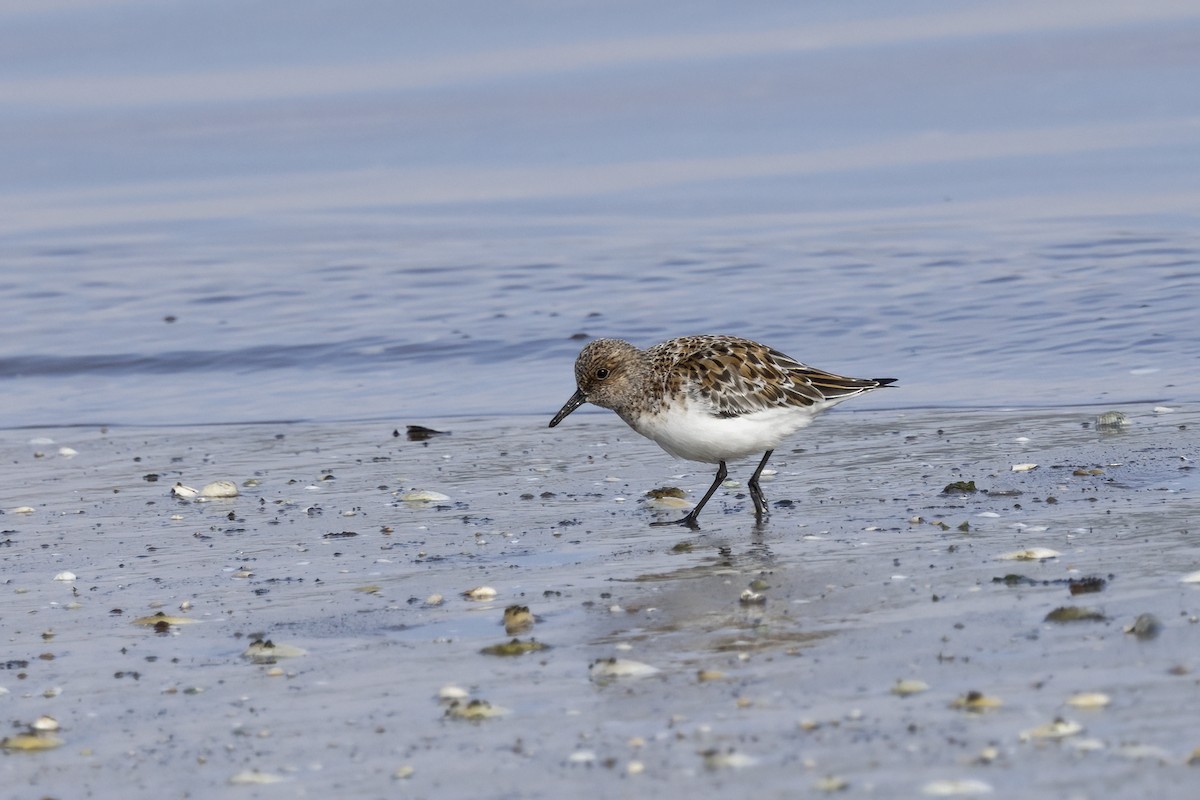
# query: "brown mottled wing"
x,y
739,376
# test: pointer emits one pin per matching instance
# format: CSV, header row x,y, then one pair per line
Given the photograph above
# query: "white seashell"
x,y
610,668
1163,410
1058,729
480,593
186,492
451,692
65,576
68,452
219,489
252,777
1023,467
424,496
1029,554
474,710
45,723
966,787
714,759
1191,577
23,510
668,503
1089,700
265,652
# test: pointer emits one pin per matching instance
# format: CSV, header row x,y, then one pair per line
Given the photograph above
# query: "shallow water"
x,y
995,203
252,251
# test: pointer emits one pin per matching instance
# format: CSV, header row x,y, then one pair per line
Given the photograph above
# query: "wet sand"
x,y
866,573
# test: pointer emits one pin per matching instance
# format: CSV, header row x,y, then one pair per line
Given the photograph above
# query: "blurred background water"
x,y
225,212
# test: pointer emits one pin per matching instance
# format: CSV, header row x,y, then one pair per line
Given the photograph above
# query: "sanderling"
x,y
709,398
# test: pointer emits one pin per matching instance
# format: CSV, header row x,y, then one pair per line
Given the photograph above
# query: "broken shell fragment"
x,y
45,724
30,742
420,497
264,651
450,693
252,777
1146,626
1111,420
474,710
1058,729
751,598
218,489
1075,614
977,701
1029,554
965,787
66,577
831,783
480,593
514,648
607,669
184,492
668,503
727,759
1089,700
163,619
517,619
909,686
1023,467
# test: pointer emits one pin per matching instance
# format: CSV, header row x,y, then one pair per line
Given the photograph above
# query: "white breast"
x,y
685,430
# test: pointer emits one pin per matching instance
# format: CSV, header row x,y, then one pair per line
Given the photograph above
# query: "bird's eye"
x,y
602,373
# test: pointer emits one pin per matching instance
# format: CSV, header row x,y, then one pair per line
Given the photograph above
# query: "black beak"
x,y
575,402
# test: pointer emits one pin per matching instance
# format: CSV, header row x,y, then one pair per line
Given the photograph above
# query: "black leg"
x,y
756,494
690,519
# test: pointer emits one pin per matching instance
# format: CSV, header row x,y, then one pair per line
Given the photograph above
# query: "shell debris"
x,y
219,489
30,741
516,647
264,651
422,497
1089,700
66,577
1029,554
1145,627
474,710
727,759
606,669
1023,467
908,686
977,701
450,693
1058,729
252,777
160,618
517,619
480,593
963,787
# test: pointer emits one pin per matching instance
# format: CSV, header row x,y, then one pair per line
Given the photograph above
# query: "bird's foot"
x,y
688,522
